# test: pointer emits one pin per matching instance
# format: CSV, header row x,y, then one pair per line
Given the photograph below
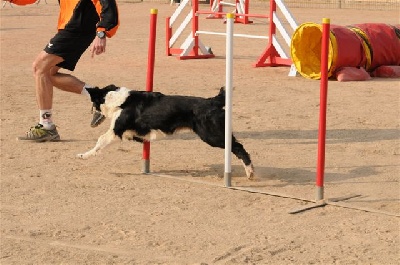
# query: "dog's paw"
x,y
250,172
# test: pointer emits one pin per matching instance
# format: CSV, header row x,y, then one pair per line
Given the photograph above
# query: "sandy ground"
x,y
57,209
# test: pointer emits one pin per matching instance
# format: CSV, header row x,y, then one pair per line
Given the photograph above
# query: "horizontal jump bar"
x,y
235,35
236,14
227,3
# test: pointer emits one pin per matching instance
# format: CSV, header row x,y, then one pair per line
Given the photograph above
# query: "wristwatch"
x,y
101,34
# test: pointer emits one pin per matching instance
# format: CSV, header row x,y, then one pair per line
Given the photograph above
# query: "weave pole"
x,y
320,200
228,98
322,109
149,80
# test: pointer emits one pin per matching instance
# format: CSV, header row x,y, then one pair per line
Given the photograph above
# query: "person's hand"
x,y
98,46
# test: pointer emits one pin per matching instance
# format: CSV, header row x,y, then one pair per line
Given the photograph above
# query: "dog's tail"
x,y
219,100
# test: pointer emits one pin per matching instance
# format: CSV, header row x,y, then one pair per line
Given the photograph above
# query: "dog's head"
x,y
98,96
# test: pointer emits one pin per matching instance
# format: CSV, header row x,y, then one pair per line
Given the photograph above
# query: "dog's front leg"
x,y
102,142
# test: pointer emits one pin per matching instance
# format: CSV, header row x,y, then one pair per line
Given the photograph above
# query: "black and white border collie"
x,y
141,115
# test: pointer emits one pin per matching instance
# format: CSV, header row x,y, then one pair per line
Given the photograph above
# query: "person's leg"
x,y
46,77
62,51
70,83
45,130
66,82
42,67
70,46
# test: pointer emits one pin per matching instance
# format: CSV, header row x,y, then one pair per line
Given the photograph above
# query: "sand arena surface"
x,y
57,209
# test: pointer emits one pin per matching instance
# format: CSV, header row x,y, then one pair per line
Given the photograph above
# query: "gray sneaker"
x,y
98,117
40,134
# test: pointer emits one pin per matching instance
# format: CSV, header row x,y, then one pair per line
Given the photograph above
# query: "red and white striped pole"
x,y
322,109
149,80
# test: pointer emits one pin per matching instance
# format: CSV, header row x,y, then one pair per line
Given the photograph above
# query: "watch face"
x,y
101,34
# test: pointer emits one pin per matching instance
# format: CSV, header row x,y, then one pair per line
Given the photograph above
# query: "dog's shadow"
x,y
264,176
216,172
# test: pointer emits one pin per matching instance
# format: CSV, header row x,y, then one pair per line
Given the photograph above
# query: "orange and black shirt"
x,y
85,15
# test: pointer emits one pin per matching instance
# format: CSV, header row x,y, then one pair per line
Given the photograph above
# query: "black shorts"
x,y
70,46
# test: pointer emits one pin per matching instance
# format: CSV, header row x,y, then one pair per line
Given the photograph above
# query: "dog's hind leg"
x,y
210,127
102,142
218,140
241,153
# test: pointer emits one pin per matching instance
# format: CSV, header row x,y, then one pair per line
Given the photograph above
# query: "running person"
x,y
80,24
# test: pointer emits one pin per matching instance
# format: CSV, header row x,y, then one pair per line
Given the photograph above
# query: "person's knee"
x,y
38,66
45,64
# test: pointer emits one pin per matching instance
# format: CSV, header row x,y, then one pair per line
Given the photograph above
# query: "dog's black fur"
x,y
140,113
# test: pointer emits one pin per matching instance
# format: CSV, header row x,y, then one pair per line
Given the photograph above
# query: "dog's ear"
x,y
111,87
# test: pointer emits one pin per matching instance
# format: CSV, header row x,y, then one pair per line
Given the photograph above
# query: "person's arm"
x,y
109,22
108,13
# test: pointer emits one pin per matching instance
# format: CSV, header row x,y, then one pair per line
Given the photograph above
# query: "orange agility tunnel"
x,y
362,46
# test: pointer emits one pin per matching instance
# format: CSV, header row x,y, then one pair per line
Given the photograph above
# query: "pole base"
x,y
146,166
319,194
227,178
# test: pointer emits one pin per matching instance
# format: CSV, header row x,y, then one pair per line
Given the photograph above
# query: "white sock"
x,y
84,91
45,118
